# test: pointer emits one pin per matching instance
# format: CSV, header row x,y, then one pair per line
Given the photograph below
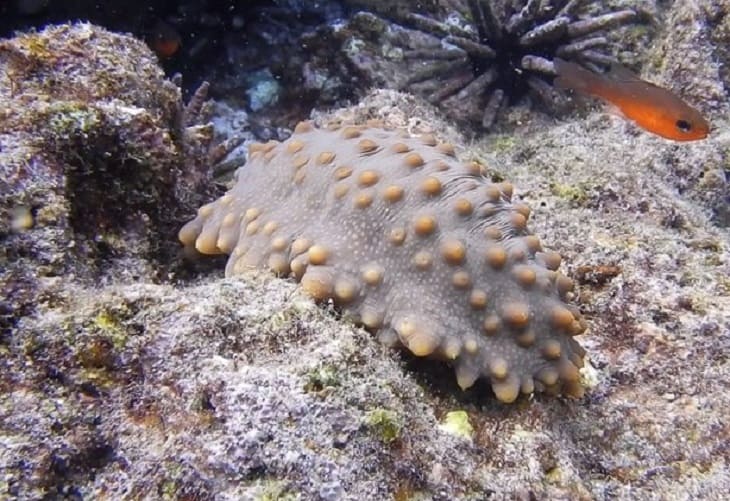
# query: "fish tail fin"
x,y
575,77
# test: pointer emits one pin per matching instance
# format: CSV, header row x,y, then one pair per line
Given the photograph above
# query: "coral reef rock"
x,y
99,161
123,375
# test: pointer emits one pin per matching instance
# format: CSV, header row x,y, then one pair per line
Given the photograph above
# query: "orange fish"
x,y
652,108
164,39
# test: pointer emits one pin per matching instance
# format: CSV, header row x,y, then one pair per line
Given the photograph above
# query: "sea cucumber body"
x,y
411,243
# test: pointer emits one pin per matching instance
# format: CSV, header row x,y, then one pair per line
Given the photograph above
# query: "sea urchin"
x,y
497,52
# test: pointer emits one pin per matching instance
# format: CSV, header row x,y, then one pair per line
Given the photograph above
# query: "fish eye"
x,y
683,125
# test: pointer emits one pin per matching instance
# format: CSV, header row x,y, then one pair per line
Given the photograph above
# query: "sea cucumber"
x,y
409,242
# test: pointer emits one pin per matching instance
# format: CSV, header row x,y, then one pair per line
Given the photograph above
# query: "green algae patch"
x,y
457,423
322,377
575,194
385,424
276,490
110,323
71,118
503,143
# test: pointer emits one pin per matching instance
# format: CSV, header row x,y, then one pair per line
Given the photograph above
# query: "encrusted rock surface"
x,y
100,161
94,140
240,388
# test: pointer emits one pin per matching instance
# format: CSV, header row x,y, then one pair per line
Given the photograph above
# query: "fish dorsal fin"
x,y
632,83
621,73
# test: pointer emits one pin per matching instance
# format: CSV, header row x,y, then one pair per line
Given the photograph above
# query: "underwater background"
x,y
132,368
